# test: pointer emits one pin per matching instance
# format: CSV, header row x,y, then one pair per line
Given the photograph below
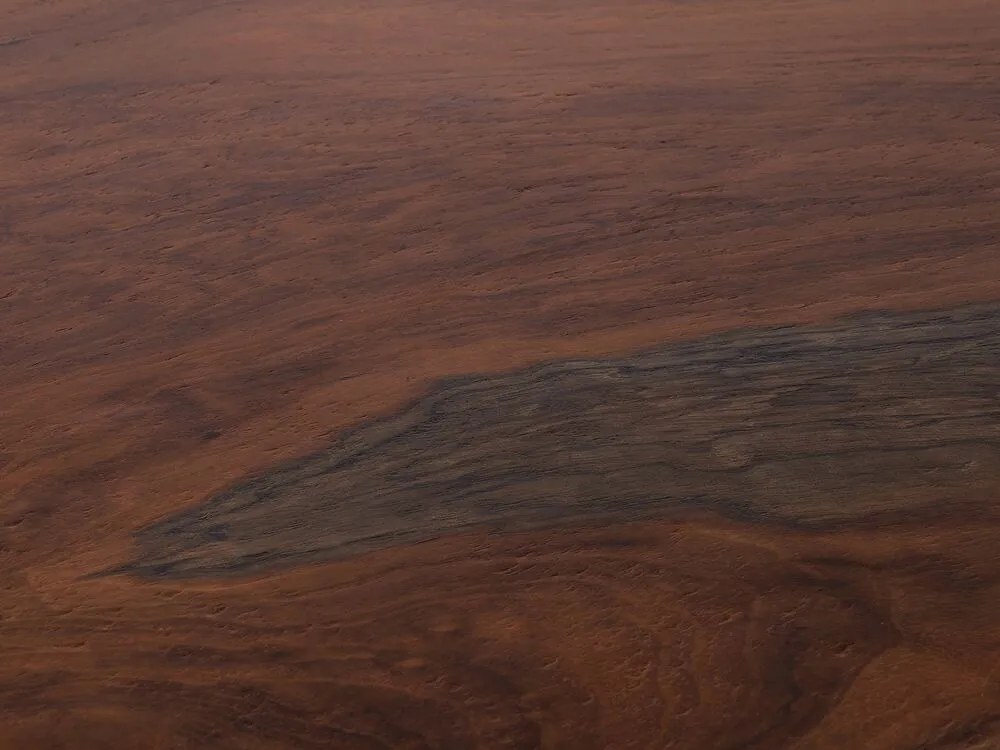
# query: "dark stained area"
x,y
877,417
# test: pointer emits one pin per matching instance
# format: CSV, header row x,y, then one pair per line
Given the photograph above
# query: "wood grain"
x,y
230,232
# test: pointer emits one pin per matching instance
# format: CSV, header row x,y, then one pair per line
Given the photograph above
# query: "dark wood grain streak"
x,y
878,416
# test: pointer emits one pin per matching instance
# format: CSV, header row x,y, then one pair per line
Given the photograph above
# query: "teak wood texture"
x,y
451,374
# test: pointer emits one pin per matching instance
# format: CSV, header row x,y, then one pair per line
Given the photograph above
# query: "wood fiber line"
x,y
877,416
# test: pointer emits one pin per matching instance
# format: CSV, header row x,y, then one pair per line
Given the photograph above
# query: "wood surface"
x,y
706,297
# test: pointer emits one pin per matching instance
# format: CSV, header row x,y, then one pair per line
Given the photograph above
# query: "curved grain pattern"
x,y
684,634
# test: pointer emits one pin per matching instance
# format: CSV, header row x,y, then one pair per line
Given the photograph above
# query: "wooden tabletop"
x,y
529,374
